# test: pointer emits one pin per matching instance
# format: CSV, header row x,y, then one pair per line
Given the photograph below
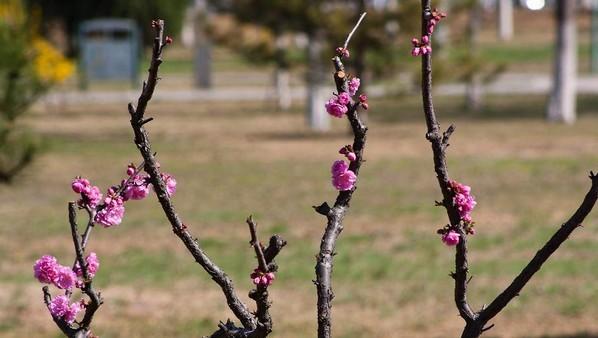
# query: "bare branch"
x,y
336,214
354,29
151,167
476,322
95,299
257,246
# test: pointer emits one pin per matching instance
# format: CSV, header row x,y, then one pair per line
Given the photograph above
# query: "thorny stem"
x,y
335,214
476,321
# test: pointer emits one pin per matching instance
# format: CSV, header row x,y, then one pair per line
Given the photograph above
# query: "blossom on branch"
x,y
61,309
260,278
113,211
45,269
463,200
353,85
451,238
343,179
93,264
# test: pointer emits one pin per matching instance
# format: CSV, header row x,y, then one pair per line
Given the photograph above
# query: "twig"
x,y
95,299
258,325
354,29
336,214
255,243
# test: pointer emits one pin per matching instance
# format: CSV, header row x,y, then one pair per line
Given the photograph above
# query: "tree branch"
x,y
476,321
560,236
250,323
439,143
336,214
94,297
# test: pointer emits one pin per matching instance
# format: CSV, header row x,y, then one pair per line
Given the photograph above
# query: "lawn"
x,y
391,272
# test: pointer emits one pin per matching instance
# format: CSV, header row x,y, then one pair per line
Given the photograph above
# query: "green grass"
x,y
527,176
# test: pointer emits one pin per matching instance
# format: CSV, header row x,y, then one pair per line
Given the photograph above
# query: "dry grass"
x,y
391,277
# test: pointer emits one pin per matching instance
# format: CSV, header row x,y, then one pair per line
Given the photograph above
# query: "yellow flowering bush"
x,y
49,64
29,66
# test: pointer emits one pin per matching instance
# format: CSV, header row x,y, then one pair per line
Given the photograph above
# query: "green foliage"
x,y
374,46
19,88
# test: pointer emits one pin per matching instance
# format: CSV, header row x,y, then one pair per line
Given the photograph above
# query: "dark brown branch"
x,y
61,323
260,293
239,309
257,246
543,254
336,214
439,143
94,297
476,322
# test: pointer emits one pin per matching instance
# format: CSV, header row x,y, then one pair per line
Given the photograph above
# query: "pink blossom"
x,y
112,213
59,308
351,156
45,269
342,178
170,183
90,196
79,184
416,51
131,170
421,48
344,181
343,98
338,167
334,108
354,85
463,200
260,278
66,278
137,188
93,264
451,238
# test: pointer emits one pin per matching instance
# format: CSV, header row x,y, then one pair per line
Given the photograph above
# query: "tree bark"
x,y
561,105
505,19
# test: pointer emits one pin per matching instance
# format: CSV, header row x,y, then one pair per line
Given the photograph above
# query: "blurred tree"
x,y
561,104
504,12
323,25
73,12
29,66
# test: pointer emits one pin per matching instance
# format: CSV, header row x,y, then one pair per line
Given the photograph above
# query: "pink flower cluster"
x,y
353,86
451,238
93,264
337,106
90,194
260,278
112,210
436,17
60,308
421,47
463,200
343,179
48,271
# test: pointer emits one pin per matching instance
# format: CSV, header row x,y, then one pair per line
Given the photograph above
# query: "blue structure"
x,y
109,49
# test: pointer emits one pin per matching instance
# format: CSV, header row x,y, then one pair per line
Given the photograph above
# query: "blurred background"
x,y
240,122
